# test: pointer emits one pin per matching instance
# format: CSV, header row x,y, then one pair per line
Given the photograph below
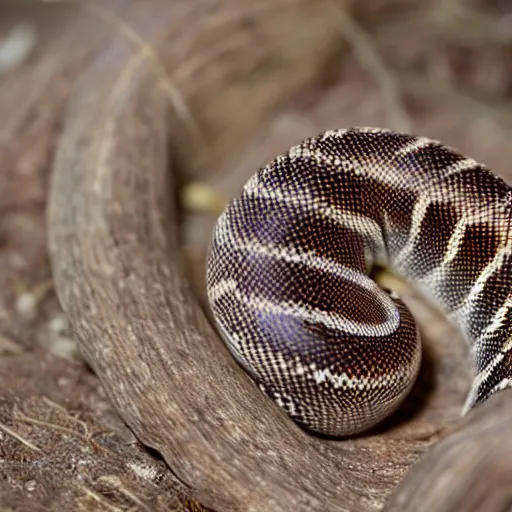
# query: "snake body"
x,y
289,262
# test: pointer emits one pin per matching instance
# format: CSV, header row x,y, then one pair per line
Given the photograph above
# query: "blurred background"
x,y
249,79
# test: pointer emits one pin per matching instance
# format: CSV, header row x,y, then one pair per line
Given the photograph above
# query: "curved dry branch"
x,y
119,280
116,262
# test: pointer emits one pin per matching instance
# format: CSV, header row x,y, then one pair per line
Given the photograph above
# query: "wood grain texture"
x,y
470,470
117,267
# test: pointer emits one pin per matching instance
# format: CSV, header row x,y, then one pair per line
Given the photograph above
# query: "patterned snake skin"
x,y
289,260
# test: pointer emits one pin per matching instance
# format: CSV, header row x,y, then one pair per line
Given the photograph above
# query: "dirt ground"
x,y
440,69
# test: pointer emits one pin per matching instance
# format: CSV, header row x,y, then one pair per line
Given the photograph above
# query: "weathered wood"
x,y
115,257
470,470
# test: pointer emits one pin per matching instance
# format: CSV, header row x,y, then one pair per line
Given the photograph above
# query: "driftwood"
x,y
117,267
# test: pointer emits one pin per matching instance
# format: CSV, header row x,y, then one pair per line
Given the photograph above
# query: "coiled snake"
x,y
289,262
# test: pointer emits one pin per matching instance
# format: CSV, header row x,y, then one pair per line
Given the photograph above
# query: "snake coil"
x,y
289,262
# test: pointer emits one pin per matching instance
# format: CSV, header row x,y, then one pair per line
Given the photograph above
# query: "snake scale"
x,y
289,264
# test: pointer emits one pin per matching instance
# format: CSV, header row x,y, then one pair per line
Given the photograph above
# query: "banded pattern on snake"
x,y
289,263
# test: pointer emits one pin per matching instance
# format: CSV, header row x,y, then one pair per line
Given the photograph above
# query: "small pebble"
x,y
58,324
64,347
63,382
26,305
200,197
16,46
30,485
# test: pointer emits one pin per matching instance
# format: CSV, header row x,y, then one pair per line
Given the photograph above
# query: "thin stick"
x,y
22,440
370,59
32,421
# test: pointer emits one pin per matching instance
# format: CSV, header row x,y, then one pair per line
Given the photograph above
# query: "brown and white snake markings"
x,y
289,260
